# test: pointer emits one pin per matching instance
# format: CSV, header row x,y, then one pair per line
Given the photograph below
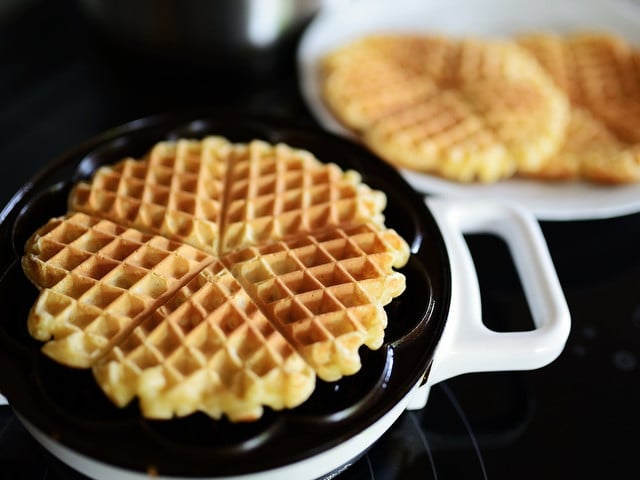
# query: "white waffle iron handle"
x,y
467,345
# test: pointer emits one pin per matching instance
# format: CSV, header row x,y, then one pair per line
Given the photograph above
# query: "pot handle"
x,y
467,345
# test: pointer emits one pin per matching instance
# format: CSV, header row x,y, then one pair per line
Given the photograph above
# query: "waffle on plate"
x,y
538,105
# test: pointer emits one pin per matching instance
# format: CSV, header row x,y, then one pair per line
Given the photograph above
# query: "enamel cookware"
x,y
435,327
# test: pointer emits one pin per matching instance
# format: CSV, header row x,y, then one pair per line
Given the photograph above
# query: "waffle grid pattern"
x,y
600,74
274,193
98,279
326,293
175,191
182,329
474,110
209,348
539,105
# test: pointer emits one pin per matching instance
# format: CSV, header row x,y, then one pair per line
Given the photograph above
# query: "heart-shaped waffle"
x,y
216,277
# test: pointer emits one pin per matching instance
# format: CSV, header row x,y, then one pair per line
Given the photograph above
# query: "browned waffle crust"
x,y
215,277
465,109
600,74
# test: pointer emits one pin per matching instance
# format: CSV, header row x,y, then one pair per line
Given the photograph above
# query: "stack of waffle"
x,y
541,106
216,277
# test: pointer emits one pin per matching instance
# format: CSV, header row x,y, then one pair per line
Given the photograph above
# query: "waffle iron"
x,y
67,412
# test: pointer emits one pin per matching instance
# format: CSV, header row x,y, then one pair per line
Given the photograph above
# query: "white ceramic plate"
x,y
346,20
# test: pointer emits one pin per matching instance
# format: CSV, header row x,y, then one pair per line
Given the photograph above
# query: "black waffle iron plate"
x,y
69,414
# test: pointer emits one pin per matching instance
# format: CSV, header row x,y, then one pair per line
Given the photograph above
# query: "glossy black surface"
x,y
576,418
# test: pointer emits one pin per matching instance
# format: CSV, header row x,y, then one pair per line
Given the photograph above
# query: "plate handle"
x,y
467,345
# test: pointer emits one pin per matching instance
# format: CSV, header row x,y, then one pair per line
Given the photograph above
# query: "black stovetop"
x,y
576,418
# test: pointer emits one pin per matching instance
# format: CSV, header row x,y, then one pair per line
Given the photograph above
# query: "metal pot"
x,y
435,328
243,35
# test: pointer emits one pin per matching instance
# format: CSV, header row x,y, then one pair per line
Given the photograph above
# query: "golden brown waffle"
x,y
598,71
293,287
270,191
600,74
464,109
325,292
209,348
98,279
273,192
175,191
590,152
362,83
